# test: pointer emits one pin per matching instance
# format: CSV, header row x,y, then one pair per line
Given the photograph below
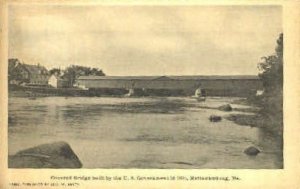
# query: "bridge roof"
x,y
189,77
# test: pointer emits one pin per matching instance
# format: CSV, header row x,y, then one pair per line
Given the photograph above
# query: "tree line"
x,y
271,74
71,73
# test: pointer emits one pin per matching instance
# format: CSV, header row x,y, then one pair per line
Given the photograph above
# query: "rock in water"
x,y
53,155
215,118
226,108
251,151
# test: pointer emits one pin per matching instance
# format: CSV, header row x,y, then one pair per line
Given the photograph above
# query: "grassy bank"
x,y
268,117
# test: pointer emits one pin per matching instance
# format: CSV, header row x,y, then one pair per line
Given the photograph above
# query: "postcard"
x,y
156,94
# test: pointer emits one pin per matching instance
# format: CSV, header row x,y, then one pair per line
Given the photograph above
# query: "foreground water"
x,y
140,132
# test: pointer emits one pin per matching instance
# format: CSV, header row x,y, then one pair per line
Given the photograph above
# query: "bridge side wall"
x,y
217,87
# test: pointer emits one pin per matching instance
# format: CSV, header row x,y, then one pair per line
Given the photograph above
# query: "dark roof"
x,y
193,77
35,69
213,77
92,77
59,77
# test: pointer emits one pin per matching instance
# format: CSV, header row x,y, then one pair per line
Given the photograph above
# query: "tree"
x,y
272,77
272,70
14,71
74,71
55,71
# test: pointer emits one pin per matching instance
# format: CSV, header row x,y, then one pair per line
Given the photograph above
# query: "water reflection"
x,y
140,132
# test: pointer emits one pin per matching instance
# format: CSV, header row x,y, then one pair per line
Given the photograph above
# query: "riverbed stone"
x,y
226,108
252,151
53,155
215,118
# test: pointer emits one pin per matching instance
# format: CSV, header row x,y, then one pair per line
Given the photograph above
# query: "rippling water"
x,y
140,132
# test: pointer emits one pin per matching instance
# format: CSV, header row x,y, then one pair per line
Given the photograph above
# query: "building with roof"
x,y
26,73
57,82
242,85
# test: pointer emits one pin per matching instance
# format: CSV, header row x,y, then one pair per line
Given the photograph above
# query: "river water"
x,y
159,132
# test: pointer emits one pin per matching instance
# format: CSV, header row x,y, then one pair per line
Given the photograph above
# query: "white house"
x,y
52,81
57,82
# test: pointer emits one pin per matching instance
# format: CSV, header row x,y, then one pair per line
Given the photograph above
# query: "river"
x,y
160,132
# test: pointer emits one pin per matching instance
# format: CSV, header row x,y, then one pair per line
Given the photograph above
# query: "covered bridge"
x,y
175,85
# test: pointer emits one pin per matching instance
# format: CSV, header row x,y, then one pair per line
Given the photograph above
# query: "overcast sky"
x,y
146,40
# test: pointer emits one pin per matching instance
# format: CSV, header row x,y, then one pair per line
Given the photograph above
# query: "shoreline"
x,y
261,119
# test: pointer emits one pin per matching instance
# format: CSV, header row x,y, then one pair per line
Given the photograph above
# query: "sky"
x,y
145,40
